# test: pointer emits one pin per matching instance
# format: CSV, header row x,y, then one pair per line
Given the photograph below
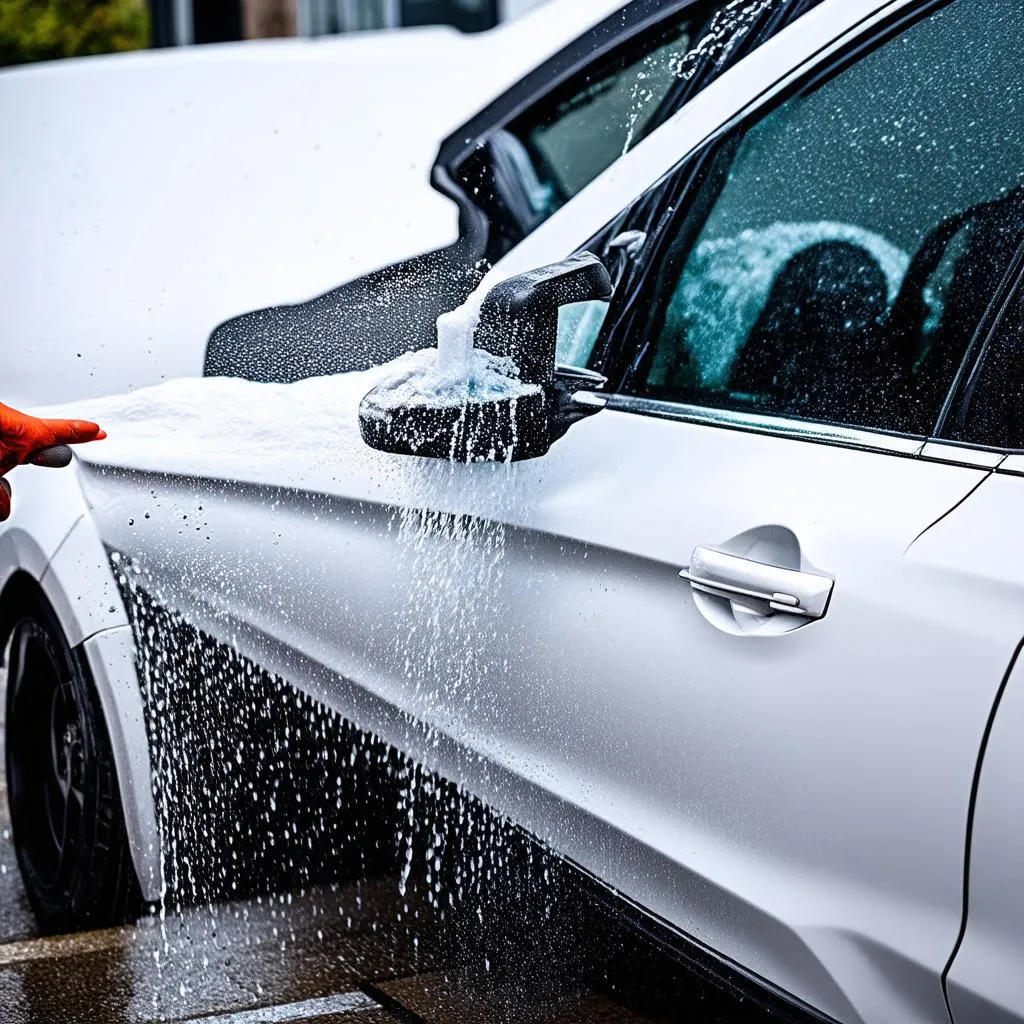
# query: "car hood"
x,y
147,197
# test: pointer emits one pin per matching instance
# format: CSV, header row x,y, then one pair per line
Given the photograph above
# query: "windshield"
x,y
529,167
576,136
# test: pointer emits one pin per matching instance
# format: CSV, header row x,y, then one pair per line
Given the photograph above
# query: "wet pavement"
x,y
356,952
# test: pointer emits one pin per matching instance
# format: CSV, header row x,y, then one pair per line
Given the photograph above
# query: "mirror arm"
x,y
519,317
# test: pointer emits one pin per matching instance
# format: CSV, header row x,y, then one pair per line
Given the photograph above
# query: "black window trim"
x,y
961,395
827,62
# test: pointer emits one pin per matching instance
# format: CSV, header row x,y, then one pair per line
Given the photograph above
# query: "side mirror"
x,y
513,404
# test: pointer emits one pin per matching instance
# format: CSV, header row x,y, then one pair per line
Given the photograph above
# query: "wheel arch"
x,y
109,656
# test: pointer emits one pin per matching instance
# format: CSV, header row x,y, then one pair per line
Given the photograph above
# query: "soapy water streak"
x,y
259,788
452,565
726,30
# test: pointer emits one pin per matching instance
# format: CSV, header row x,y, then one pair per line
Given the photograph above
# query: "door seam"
x,y
971,808
931,526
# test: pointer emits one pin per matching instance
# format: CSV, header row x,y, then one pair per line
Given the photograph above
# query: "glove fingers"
x,y
75,431
56,457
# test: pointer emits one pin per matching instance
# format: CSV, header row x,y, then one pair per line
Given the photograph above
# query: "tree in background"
x,y
47,29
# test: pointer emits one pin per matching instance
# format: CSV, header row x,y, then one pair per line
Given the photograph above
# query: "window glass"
x,y
841,253
994,410
564,142
586,131
544,157
579,324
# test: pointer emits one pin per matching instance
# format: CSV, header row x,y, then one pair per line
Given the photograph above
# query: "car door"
x,y
788,790
788,787
979,542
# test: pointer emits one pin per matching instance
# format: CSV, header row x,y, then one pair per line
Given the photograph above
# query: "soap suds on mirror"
x,y
423,379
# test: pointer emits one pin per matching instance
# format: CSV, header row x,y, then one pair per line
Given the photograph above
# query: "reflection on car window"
x,y
579,324
842,253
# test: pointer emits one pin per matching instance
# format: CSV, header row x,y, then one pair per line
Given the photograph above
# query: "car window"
x,y
840,253
579,132
533,164
538,161
992,413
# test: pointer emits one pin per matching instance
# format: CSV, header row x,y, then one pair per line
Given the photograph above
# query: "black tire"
x,y
66,816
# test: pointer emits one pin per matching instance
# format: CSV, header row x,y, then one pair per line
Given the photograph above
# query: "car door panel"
x,y
795,799
755,808
978,548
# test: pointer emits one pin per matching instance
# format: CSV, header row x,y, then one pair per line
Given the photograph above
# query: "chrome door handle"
x,y
789,591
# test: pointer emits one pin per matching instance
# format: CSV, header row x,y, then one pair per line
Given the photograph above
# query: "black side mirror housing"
x,y
518,321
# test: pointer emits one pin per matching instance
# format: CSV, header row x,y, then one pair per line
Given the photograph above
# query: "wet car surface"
x,y
375,949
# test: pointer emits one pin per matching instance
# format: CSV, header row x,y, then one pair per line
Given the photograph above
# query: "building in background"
x,y
180,22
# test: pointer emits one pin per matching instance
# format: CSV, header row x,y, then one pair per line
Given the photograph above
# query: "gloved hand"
x,y
25,439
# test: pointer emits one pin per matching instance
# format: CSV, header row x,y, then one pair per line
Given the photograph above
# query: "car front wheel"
x,y
68,825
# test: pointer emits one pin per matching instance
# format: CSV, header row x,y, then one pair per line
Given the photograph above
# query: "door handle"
x,y
788,591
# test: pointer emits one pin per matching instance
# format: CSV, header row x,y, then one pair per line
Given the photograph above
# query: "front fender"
x,y
51,539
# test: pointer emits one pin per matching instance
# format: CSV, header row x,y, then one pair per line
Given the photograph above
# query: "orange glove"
x,y
25,439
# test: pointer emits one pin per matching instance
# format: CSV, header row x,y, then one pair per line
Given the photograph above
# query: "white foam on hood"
x,y
214,425
299,434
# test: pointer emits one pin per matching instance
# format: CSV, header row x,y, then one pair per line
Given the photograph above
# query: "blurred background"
x,y
32,30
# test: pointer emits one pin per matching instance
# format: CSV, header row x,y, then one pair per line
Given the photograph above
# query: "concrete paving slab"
x,y
477,996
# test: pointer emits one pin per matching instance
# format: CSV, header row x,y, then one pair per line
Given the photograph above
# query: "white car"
x,y
740,638
530,151
147,197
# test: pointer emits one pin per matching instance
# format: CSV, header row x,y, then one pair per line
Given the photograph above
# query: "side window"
x,y
544,156
992,413
841,252
538,161
584,127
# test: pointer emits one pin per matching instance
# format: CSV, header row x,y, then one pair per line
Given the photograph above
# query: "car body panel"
x,y
46,509
111,659
985,981
78,584
502,680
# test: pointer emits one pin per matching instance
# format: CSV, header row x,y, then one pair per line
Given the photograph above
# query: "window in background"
x,y
467,15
